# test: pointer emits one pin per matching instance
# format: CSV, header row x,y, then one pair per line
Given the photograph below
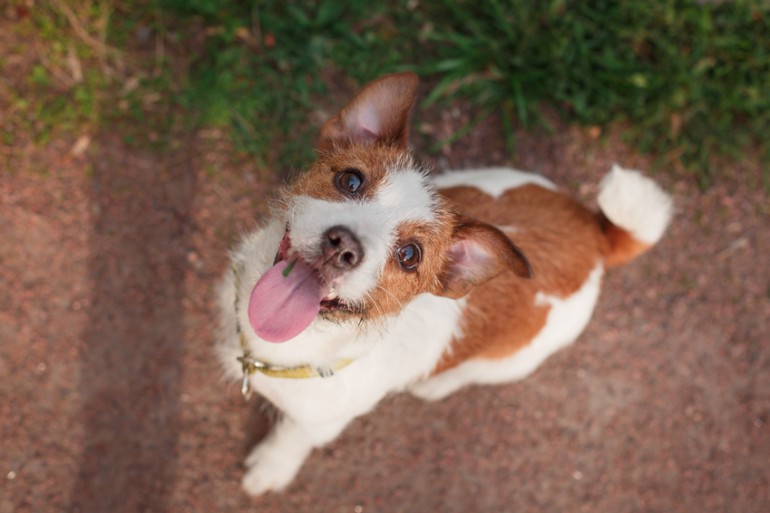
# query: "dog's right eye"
x,y
349,181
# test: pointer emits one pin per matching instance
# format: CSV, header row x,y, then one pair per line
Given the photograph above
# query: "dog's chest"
x,y
401,351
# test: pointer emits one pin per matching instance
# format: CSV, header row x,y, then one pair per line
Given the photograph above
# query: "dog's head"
x,y
366,231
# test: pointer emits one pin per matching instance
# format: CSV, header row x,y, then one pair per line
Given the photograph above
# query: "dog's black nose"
x,y
341,248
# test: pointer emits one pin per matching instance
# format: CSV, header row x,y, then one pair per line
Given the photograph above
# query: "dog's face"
x,y
371,224
368,226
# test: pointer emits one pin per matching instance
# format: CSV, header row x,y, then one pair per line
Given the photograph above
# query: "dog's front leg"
x,y
273,463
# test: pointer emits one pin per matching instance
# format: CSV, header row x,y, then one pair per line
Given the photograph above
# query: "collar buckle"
x,y
249,366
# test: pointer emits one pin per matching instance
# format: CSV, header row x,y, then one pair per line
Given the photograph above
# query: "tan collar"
x,y
251,365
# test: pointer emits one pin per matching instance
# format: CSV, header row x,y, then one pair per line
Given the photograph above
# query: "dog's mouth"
x,y
291,294
331,301
330,304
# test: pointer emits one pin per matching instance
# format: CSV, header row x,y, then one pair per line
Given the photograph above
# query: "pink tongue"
x,y
281,307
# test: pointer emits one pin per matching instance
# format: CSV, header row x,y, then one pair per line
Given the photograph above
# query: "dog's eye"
x,y
409,256
350,181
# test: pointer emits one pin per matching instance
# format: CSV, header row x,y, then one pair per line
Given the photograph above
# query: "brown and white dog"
x,y
373,277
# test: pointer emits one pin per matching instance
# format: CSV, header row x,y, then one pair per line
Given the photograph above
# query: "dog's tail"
x,y
634,214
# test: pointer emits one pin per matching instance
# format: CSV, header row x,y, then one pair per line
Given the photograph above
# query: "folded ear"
x,y
378,113
478,253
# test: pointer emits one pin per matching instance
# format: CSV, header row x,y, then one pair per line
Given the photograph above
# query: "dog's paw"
x,y
268,471
261,479
254,456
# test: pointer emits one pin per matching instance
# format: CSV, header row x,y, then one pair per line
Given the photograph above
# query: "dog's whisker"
x,y
398,301
370,299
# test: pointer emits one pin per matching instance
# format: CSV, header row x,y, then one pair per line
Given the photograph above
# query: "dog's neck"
x,y
251,364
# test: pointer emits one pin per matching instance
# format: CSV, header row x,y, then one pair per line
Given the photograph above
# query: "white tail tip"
x,y
635,203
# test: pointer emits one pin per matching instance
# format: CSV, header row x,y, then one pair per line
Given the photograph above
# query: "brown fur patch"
x,y
623,247
372,161
397,286
563,243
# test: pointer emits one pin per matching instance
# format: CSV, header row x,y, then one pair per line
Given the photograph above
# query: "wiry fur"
x,y
510,273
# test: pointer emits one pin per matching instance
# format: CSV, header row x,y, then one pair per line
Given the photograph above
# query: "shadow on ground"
x,y
134,344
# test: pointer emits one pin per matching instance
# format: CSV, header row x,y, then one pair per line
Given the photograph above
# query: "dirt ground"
x,y
111,399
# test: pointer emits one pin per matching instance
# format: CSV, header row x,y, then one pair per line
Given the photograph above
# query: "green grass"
x,y
265,65
57,93
691,80
685,81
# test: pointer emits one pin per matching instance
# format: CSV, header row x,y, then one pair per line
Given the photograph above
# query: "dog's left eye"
x,y
349,181
409,256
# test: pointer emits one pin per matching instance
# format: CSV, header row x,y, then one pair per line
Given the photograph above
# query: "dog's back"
x,y
511,325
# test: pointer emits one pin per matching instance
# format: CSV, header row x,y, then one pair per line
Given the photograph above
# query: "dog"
x,y
373,277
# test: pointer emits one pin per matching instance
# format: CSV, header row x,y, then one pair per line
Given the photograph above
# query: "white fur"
x,y
388,356
493,181
407,190
635,203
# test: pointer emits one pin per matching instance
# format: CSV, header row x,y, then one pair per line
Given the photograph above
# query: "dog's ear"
x,y
378,114
478,253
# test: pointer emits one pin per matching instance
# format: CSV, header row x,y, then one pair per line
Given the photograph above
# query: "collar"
x,y
252,365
